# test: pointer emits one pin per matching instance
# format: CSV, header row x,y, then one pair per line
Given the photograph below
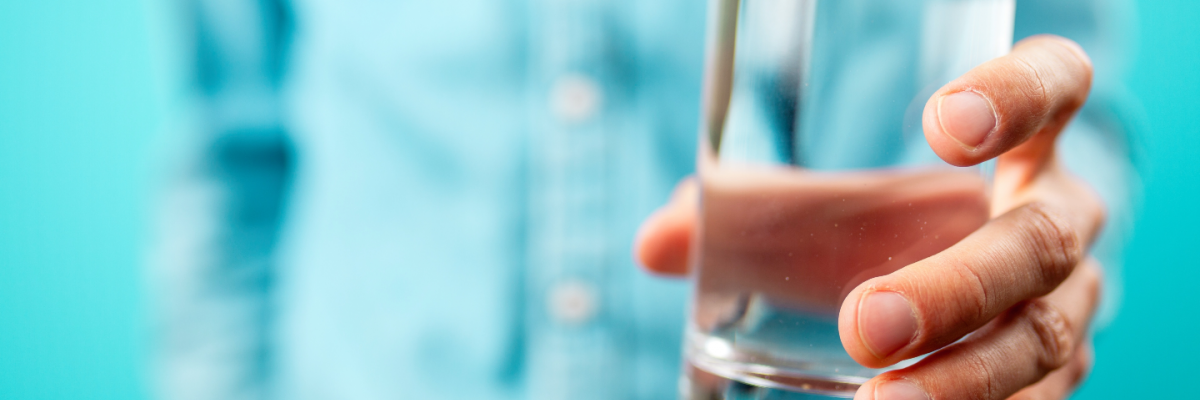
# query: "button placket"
x,y
571,341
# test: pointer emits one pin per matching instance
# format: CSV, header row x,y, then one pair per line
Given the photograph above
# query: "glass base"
x,y
711,379
737,366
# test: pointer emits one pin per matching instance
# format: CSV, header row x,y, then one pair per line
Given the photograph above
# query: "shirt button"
x,y
572,302
575,98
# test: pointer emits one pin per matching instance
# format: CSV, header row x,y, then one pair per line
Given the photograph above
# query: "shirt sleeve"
x,y
212,268
1100,145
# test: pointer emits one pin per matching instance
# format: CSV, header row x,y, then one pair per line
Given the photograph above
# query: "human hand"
x,y
1020,286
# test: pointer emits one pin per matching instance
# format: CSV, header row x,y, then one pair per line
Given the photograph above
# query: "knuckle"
x,y
1055,244
1033,86
975,300
988,380
1053,332
1055,76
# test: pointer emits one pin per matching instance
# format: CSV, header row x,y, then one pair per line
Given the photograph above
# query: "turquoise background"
x,y
81,110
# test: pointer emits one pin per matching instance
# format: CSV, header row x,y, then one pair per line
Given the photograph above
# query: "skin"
x,y
1021,285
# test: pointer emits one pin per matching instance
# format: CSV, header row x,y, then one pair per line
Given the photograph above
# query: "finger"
x,y
1013,352
664,240
1063,381
920,308
1002,104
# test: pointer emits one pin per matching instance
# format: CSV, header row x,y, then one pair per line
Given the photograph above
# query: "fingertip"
x,y
848,327
866,391
887,322
967,117
1003,103
950,149
663,243
898,389
852,331
645,248
892,386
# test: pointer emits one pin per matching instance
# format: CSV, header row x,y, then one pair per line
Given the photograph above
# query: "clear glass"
x,y
816,177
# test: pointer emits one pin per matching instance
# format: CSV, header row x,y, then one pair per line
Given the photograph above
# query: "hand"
x,y
1020,286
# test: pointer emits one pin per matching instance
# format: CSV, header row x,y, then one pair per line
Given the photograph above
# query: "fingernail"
x,y
967,117
887,322
865,392
899,390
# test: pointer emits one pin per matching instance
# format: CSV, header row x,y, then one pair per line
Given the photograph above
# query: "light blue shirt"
x,y
437,199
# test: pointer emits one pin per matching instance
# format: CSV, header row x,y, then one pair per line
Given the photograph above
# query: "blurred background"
x,y
81,112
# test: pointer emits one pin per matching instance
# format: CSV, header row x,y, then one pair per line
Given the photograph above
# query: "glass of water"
x,y
815,177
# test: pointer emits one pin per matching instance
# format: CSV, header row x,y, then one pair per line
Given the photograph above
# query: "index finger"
x,y
1004,103
1020,255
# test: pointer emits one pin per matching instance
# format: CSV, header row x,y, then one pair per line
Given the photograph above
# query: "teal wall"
x,y
1152,346
79,114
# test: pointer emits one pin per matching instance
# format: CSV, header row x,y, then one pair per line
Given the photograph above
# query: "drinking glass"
x,y
815,177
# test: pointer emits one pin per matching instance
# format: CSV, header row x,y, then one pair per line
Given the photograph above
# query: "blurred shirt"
x,y
437,199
